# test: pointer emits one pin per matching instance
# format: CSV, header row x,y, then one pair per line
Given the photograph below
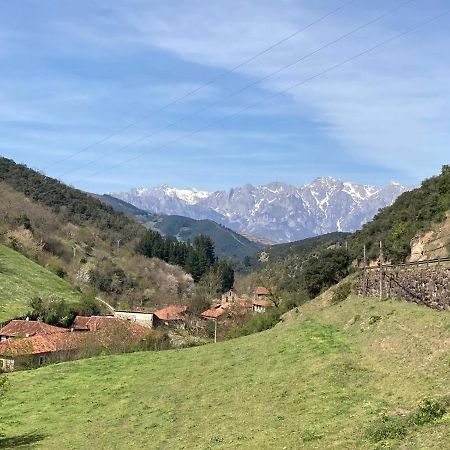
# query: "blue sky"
x,y
74,72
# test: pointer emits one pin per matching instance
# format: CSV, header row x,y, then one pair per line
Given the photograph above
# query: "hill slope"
x,y
228,243
318,382
413,212
71,232
22,279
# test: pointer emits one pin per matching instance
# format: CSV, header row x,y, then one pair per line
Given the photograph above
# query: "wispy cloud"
x,y
118,61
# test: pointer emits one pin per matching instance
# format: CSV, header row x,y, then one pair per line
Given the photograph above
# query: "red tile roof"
x,y
24,328
262,291
126,332
264,303
215,312
38,344
92,323
244,303
171,312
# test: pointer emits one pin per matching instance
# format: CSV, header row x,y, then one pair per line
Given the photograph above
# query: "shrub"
x,y
323,271
396,427
374,319
259,322
157,340
57,269
429,410
387,427
341,293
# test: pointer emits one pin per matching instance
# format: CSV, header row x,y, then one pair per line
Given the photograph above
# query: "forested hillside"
x,y
412,212
87,243
227,243
299,270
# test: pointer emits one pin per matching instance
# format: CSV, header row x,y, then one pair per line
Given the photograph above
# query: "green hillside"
x,y
329,378
307,246
228,243
412,212
21,279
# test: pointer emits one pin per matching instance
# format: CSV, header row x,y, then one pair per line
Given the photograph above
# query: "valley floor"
x,y
317,381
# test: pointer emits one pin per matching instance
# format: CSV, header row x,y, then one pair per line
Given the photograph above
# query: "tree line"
x,y
197,257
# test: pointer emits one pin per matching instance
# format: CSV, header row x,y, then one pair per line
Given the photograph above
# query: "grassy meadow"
x,y
21,279
321,380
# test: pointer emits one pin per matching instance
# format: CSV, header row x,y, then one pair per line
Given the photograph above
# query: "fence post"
x,y
381,270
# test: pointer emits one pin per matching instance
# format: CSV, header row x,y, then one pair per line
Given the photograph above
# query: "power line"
x,y
208,83
276,94
248,86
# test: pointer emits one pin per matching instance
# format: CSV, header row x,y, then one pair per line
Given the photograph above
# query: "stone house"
x,y
229,297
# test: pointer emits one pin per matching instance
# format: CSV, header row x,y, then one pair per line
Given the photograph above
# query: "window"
x,y
41,360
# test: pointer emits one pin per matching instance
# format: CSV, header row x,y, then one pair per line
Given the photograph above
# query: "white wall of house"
x,y
144,319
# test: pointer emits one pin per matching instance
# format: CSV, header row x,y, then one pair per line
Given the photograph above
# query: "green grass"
x,y
322,380
22,279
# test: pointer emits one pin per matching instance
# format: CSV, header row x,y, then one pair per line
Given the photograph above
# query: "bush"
x,y
396,427
323,271
157,340
429,410
387,427
374,319
57,269
259,322
341,293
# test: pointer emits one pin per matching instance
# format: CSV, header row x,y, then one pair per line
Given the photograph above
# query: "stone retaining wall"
x,y
428,286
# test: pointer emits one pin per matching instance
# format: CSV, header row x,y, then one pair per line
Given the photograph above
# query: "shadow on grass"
x,y
23,441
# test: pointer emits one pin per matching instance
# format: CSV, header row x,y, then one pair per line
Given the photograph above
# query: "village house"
x,y
141,317
34,351
109,334
218,310
91,323
260,300
260,306
215,312
171,315
230,297
28,328
260,293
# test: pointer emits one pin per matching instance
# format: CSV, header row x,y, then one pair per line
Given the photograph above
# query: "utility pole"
x,y
365,271
380,259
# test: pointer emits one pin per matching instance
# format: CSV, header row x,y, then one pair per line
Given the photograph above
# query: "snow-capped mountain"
x,y
277,211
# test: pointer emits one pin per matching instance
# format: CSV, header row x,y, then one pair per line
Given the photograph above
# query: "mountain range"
x,y
228,243
277,211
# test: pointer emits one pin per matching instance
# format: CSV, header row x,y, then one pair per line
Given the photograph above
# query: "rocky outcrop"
x,y
432,244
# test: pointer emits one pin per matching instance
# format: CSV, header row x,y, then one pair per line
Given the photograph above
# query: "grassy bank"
x,y
21,279
321,380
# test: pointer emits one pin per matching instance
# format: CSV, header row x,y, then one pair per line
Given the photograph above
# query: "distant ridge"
x,y
277,211
228,243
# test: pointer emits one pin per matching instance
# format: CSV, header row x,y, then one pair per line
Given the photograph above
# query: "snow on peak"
x,y
190,196
359,192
